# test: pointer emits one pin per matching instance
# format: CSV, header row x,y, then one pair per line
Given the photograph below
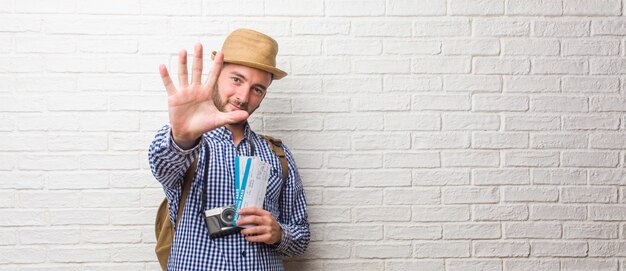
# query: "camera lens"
x,y
227,215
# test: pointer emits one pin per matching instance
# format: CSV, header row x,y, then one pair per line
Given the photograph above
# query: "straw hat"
x,y
253,49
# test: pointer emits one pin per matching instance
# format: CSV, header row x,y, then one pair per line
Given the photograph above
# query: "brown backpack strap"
x,y
277,147
186,186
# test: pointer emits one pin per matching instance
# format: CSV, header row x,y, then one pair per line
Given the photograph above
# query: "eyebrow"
x,y
246,80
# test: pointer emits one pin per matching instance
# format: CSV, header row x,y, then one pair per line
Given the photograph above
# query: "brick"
x,y
326,26
133,216
353,232
483,83
557,212
43,199
474,121
353,196
480,47
352,84
491,103
559,104
42,6
318,105
501,249
607,213
607,66
236,7
20,64
559,176
411,196
531,265
454,27
472,231
412,232
377,178
381,28
441,65
113,7
368,8
534,7
600,7
325,178
440,213
353,122
559,66
319,214
447,249
9,237
292,123
50,236
473,265
77,103
20,179
590,264
589,194
606,248
411,122
526,230
433,265
7,199
607,176
530,194
411,160
449,102
441,177
104,82
409,8
317,66
275,28
350,266
608,27
607,104
411,83
560,28
366,161
382,214
21,142
109,161
470,159
309,159
383,250
441,140
500,28
23,217
494,140
79,64
105,198
530,47
289,8
488,65
590,159
44,45
590,47
22,255
382,103
381,141
559,249
294,84
531,84
483,7
590,230
49,162
531,159
500,176
470,195
82,216
328,250
361,47
587,122
381,65
499,212
412,47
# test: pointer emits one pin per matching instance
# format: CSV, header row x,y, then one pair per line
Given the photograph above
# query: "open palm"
x,y
191,108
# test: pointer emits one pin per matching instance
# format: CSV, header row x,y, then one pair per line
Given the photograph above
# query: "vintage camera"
x,y
219,221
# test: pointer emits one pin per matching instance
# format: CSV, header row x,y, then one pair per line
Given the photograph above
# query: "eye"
x,y
258,91
235,79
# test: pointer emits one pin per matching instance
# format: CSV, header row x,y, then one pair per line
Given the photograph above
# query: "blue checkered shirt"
x,y
192,249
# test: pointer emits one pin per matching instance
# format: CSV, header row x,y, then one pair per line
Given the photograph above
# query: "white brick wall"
x,y
443,135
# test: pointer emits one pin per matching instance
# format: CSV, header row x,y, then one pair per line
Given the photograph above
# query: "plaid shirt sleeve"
x,y
293,218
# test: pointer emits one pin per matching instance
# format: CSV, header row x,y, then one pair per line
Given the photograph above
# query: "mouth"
x,y
236,107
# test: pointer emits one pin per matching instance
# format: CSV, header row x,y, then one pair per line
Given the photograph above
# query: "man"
x,y
210,120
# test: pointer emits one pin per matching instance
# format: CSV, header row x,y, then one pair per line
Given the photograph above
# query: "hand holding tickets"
x,y
251,177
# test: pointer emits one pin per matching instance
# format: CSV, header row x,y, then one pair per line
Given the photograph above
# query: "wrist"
x,y
185,142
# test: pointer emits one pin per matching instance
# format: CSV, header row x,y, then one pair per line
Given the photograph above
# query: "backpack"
x,y
163,228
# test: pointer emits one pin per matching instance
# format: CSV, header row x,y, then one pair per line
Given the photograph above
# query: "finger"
x,y
183,79
167,81
264,238
217,68
252,211
250,220
258,230
196,70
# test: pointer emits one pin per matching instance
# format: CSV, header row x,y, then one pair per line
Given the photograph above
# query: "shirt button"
x,y
243,253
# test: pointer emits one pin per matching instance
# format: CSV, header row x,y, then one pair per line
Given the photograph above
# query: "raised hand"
x,y
191,109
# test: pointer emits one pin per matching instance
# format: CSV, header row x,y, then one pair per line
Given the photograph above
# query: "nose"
x,y
242,94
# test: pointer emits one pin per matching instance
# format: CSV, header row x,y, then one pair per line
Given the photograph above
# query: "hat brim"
x,y
278,74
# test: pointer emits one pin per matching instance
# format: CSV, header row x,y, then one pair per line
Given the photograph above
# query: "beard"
x,y
220,103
